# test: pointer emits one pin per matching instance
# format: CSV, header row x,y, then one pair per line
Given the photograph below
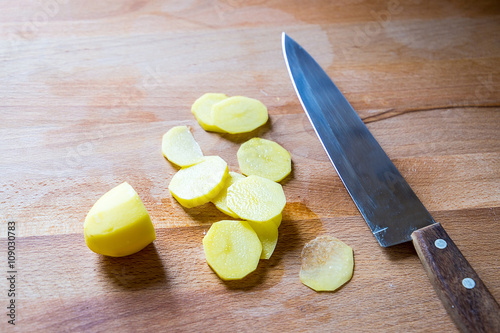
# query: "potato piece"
x,y
232,249
202,110
277,220
268,235
256,199
239,114
220,201
180,148
118,224
264,158
327,263
200,183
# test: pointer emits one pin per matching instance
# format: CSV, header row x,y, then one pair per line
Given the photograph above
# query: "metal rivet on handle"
x,y
440,243
468,283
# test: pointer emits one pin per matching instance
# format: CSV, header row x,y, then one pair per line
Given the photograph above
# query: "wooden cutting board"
x,y
89,88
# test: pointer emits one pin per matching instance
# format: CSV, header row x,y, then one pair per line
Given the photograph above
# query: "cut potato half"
x,y
118,224
179,147
220,201
327,263
268,235
198,184
232,249
256,198
239,114
264,158
202,110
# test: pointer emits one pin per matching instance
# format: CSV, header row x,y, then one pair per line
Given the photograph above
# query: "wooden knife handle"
x,y
462,292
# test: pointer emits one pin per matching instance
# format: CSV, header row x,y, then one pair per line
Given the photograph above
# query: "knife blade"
x,y
384,198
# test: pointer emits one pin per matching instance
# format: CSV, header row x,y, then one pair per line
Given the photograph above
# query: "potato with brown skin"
x,y
327,263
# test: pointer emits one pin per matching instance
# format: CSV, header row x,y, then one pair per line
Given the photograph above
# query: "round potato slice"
x,y
256,198
277,220
220,201
202,110
118,224
268,235
180,148
232,249
264,158
239,114
200,183
327,263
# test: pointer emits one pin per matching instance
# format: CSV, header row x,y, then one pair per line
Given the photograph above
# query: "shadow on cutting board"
x,y
141,270
400,251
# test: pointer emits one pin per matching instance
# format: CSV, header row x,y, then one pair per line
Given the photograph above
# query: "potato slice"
x,y
220,201
118,224
239,114
256,198
232,249
180,148
200,183
327,263
264,158
277,220
268,235
202,110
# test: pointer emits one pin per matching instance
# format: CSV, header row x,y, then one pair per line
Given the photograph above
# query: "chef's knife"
x,y
388,204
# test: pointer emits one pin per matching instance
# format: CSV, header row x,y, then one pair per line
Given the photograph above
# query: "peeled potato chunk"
x,y
256,198
202,110
180,148
268,235
198,184
232,249
220,201
239,114
327,263
118,224
264,158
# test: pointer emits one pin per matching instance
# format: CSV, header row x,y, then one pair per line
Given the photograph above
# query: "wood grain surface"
x,y
88,89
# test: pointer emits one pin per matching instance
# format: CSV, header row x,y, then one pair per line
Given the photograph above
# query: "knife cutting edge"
x,y
385,200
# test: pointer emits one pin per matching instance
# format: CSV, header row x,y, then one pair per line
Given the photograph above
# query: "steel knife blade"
x,y
385,200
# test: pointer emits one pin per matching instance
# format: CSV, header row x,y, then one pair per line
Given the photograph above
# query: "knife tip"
x,y
285,39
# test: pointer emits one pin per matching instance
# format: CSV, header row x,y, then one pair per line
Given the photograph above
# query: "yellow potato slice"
x,y
118,224
239,114
277,220
256,198
180,148
327,263
220,201
268,235
264,158
232,249
202,110
198,184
